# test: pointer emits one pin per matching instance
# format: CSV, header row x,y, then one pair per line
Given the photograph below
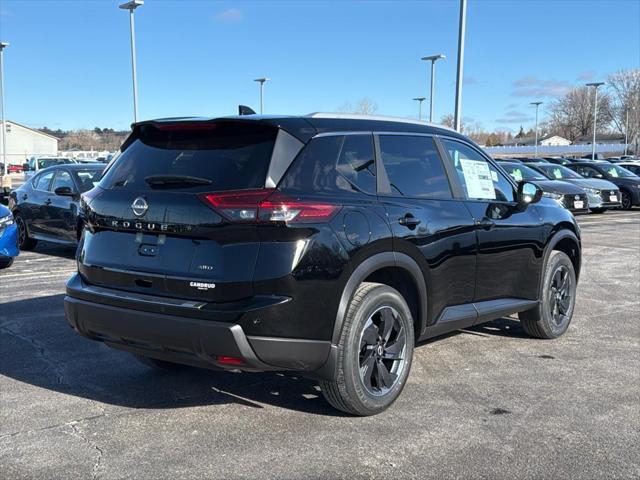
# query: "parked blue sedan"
x,y
8,238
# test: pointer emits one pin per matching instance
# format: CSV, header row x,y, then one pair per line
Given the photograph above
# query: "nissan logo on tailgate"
x,y
139,207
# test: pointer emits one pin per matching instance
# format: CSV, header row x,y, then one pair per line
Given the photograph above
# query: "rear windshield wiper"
x,y
168,180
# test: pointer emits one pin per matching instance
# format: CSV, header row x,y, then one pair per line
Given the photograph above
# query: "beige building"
x,y
24,142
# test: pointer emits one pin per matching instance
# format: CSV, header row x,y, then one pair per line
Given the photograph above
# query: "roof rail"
x,y
385,118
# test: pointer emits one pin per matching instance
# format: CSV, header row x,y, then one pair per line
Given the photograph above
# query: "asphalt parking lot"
x,y
483,403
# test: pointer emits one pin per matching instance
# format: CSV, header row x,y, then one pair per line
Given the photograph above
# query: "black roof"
x,y
305,127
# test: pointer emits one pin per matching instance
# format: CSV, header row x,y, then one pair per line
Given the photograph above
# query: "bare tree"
x,y
365,106
572,115
625,106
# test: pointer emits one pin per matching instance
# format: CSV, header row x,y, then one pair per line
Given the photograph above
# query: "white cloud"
x,y
532,86
231,15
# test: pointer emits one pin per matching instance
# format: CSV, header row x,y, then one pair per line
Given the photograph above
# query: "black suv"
x,y
325,244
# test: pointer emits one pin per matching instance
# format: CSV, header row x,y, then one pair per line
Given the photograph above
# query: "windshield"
x,y
616,171
228,156
558,172
520,172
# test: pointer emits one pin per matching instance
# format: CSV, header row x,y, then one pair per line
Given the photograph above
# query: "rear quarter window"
x,y
341,163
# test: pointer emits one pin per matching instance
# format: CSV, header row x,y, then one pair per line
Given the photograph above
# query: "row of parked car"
x,y
39,163
582,185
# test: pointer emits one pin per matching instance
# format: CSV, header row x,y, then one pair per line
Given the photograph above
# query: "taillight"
x,y
225,360
268,206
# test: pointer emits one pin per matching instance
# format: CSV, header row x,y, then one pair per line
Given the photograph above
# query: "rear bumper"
x,y
182,339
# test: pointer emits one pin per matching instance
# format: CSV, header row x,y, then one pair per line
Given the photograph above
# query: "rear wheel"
x,y
375,351
626,200
598,210
551,318
24,242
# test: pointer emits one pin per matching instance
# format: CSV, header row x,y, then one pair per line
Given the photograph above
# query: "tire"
x,y
157,364
24,242
626,200
6,262
551,318
598,210
362,348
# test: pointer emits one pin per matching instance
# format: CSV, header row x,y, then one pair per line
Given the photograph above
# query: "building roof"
x,y
531,140
32,129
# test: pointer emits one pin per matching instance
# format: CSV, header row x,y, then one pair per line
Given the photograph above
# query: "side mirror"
x,y
25,167
528,193
64,192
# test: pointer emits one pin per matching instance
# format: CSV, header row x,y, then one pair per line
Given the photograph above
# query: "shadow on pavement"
x,y
502,327
39,348
55,250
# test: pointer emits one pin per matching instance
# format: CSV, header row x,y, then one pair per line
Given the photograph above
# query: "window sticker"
x,y
494,176
613,172
557,173
477,177
516,173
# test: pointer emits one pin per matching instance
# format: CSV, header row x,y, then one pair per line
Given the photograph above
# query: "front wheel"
x,y
375,351
551,318
626,200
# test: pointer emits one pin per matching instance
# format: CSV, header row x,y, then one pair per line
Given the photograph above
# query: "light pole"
x,y
595,86
420,100
433,59
131,6
537,104
261,82
3,45
457,120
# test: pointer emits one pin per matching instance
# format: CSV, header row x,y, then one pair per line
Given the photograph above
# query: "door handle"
x,y
409,221
485,223
25,196
47,201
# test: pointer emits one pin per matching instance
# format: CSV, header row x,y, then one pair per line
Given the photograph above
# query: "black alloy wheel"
x,y
560,297
383,345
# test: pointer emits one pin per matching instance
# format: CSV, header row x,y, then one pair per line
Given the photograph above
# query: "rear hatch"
x,y
151,224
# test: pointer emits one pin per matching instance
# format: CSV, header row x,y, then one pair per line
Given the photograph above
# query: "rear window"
x,y
230,156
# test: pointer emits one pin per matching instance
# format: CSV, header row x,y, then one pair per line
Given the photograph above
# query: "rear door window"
x,y
226,155
43,181
414,167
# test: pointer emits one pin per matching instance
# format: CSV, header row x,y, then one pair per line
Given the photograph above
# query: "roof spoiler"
x,y
244,110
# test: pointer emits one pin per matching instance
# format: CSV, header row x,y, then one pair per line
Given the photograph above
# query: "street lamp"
x,y
261,81
595,86
5,171
457,120
537,104
131,6
420,100
433,59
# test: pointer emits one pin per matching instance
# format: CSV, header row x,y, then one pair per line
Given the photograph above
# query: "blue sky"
x,y
68,65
